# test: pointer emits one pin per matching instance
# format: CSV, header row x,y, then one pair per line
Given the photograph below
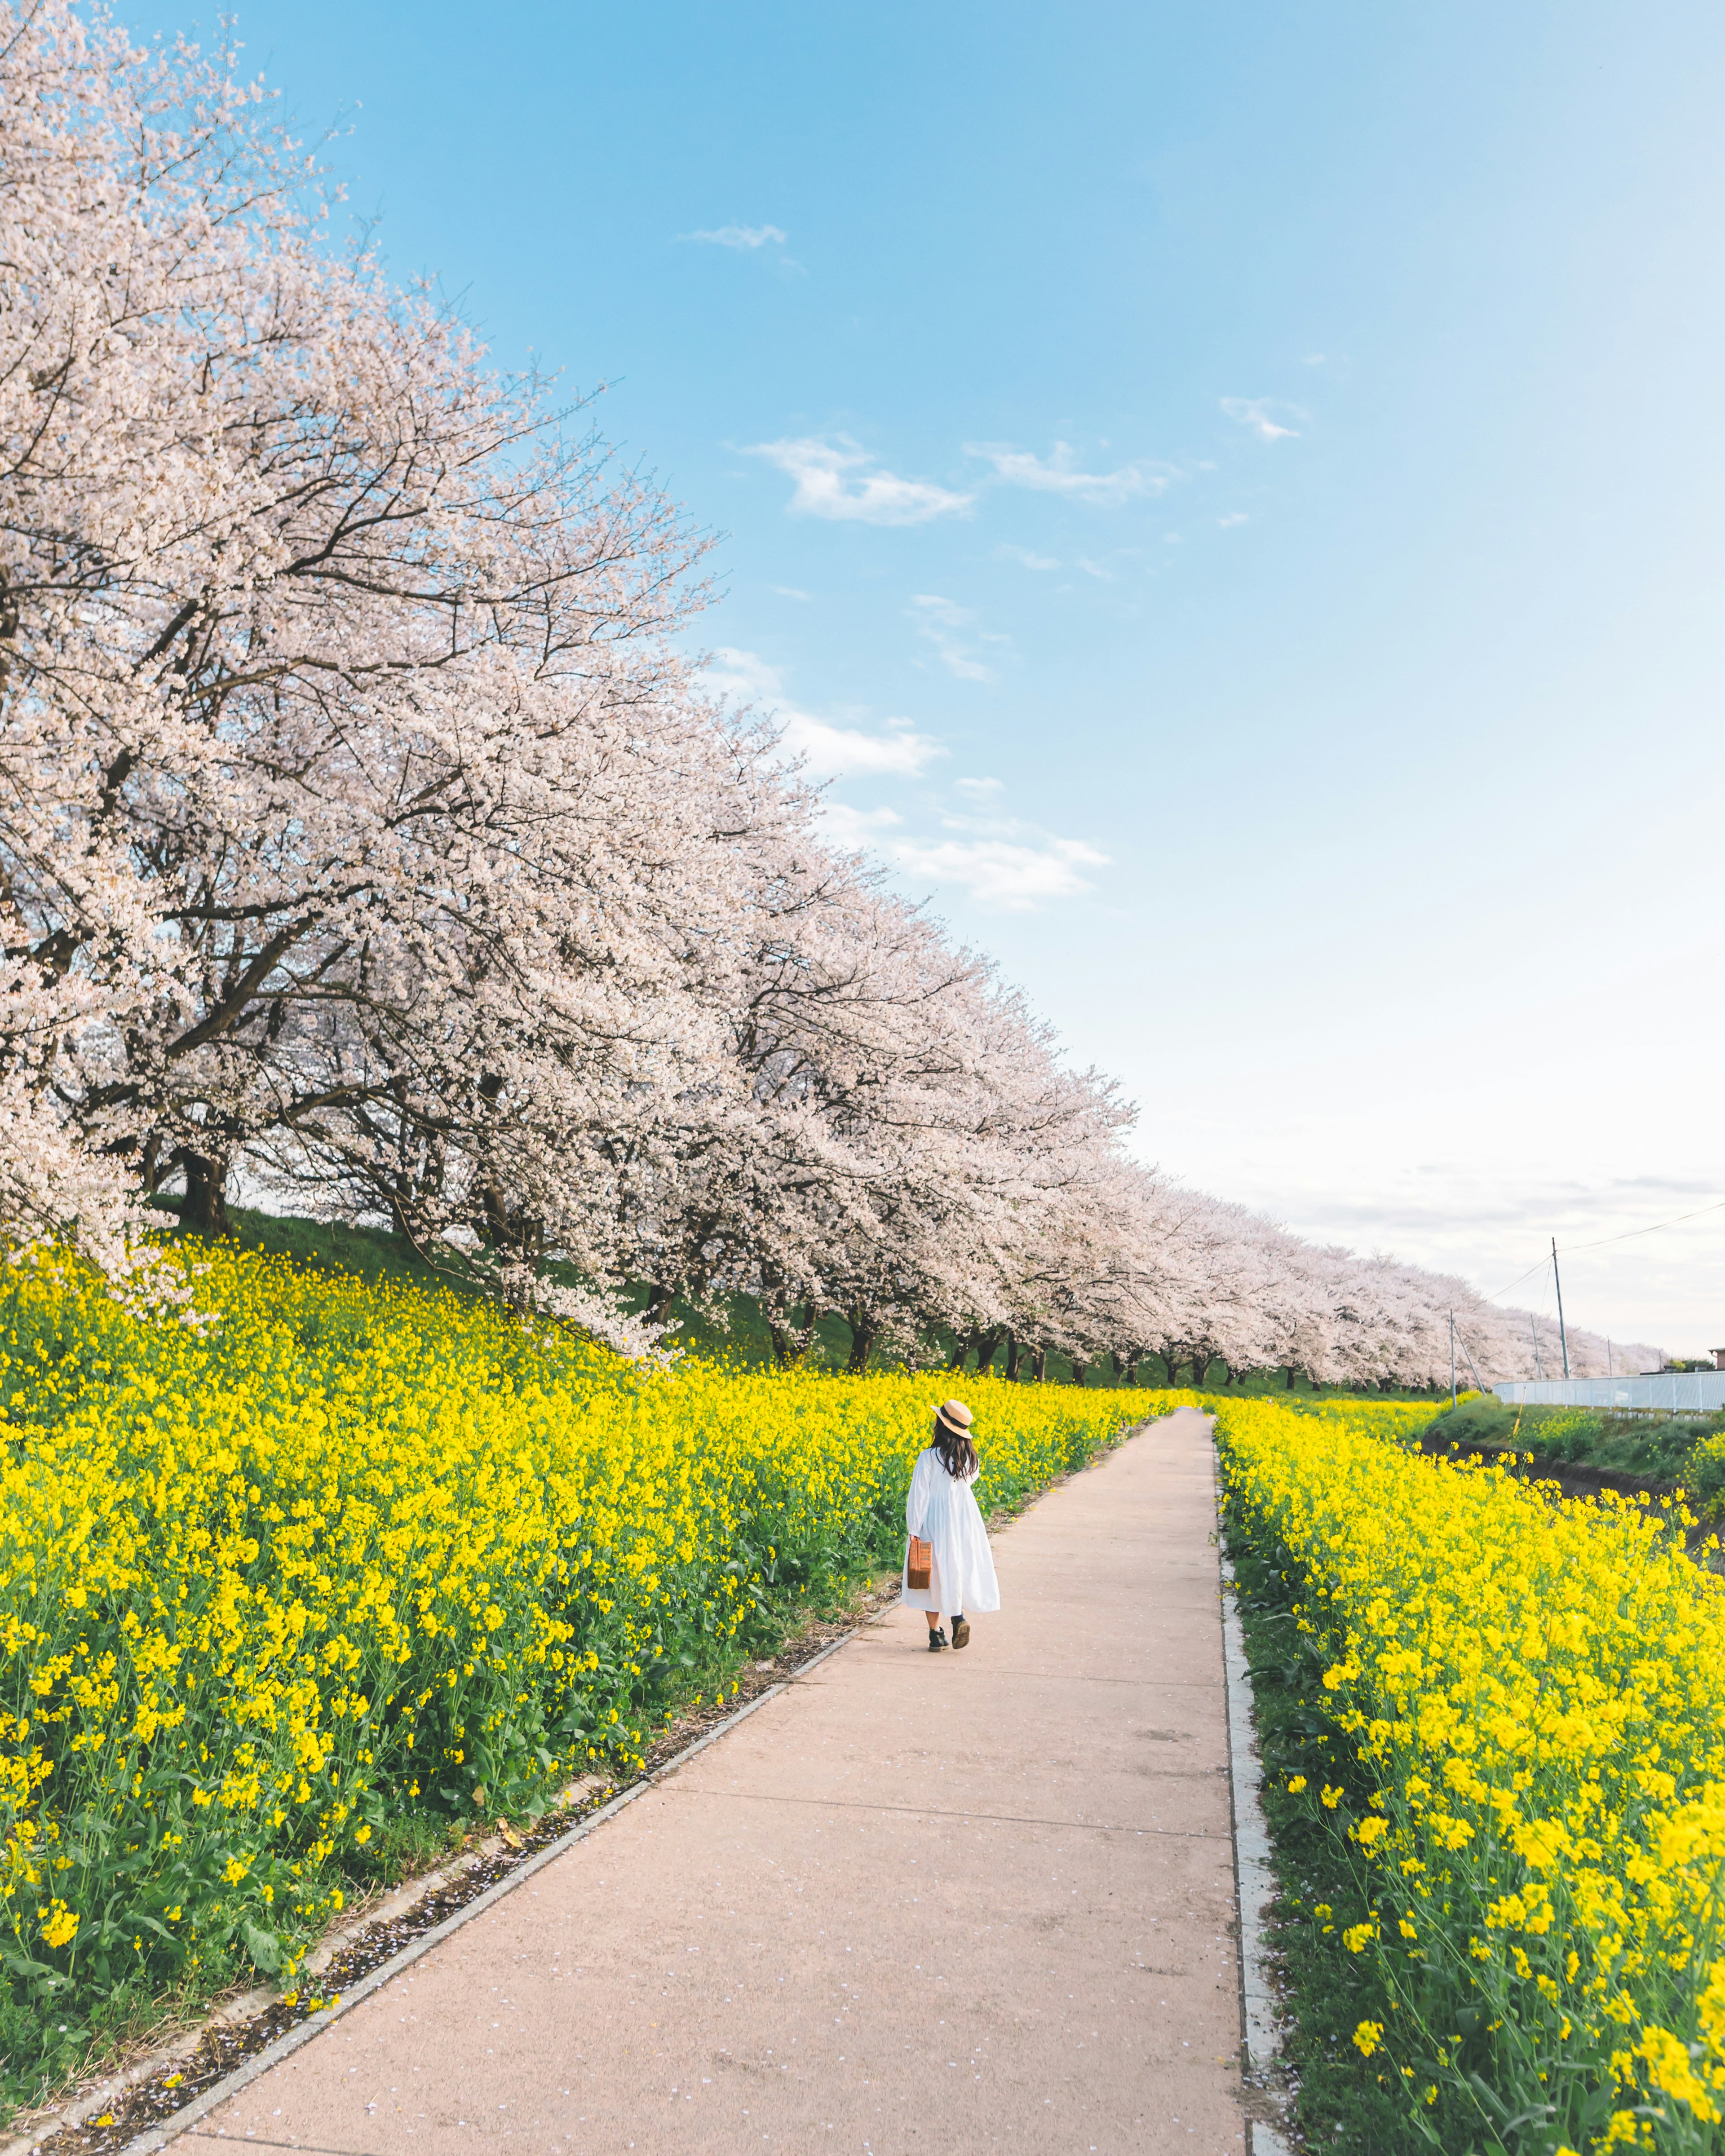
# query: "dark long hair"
x,y
958,1453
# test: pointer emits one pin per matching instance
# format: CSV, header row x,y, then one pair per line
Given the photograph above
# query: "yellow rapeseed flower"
x,y
268,1582
1535,1691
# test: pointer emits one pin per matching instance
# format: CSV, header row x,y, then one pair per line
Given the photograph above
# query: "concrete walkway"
x,y
947,1902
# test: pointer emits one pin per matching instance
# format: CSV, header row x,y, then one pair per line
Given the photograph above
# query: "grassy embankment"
x,y
1666,1451
375,1255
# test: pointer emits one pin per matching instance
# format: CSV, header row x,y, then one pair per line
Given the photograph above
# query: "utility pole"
x,y
1608,1354
1479,1382
1557,1281
1452,1358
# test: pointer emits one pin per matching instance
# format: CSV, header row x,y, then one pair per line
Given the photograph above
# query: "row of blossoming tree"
x,y
363,830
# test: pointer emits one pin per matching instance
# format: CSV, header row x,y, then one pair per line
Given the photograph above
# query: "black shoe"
x,y
937,1641
960,1631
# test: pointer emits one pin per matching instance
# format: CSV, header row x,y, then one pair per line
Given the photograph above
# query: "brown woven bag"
x,y
919,1564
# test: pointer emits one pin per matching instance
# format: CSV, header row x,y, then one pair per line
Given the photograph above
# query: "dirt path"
x,y
955,1903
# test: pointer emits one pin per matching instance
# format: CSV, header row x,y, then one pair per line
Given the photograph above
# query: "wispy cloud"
x,y
1014,875
1025,559
955,635
1234,517
857,830
838,479
1001,863
790,592
835,751
831,749
1055,473
1253,412
743,237
744,676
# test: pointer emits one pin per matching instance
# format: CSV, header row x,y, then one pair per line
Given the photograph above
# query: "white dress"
x,y
942,1511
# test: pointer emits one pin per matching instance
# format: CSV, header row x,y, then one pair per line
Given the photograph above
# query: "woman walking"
x,y
942,1511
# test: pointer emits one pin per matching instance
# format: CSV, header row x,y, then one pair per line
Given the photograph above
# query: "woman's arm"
x,y
916,1497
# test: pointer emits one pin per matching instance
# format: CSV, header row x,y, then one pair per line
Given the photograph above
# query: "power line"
x,y
1628,1234
1498,1293
1653,1230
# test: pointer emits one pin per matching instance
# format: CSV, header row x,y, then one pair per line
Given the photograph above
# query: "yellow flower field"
x,y
270,1585
1535,1693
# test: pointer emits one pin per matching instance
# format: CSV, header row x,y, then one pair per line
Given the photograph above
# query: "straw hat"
x,y
955,1416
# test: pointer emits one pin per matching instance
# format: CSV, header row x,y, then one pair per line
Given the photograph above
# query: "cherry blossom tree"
x,y
363,823
344,748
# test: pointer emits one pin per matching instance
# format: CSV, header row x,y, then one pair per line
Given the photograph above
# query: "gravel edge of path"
x,y
1255,1881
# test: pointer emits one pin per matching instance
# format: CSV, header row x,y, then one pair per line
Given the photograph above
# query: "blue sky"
x,y
1232,496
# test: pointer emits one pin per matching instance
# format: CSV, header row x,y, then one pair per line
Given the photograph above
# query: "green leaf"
x,y
1489,2098
263,1948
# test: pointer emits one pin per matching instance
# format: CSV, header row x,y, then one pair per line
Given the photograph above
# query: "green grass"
x,y
1655,1446
375,1255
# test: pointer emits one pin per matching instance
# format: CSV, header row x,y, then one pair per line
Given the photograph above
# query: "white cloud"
x,y
1253,412
998,861
1313,359
745,237
834,480
856,829
1026,560
1234,517
829,750
744,675
1001,862
1054,474
953,632
1005,873
832,751
1095,569
790,592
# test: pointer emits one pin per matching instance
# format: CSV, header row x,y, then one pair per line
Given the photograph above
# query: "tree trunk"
x,y
790,1342
1287,1377
961,1354
206,1203
1200,1371
1079,1370
511,1230
400,1225
1038,1365
863,1336
988,1347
